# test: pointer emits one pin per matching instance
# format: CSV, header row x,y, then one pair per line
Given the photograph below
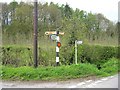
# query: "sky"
x,y
109,8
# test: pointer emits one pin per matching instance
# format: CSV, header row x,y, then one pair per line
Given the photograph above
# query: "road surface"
x,y
107,82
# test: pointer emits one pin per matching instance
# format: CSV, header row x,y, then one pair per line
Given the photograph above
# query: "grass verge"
x,y
60,72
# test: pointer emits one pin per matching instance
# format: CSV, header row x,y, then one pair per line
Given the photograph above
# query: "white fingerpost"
x,y
75,51
76,42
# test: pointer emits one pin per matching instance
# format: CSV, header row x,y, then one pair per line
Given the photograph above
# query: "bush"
x,y
23,56
17,56
67,55
96,54
111,67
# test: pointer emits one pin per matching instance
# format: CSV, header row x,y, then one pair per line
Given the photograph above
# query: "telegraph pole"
x,y
35,34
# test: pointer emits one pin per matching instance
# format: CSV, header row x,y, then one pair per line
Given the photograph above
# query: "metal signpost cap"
x,y
57,32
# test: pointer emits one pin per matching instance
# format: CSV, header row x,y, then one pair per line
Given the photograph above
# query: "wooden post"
x,y
35,34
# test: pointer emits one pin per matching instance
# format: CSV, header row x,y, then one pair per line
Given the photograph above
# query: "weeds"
x,y
60,72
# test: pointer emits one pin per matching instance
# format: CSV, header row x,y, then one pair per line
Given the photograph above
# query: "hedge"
x,y
23,56
94,54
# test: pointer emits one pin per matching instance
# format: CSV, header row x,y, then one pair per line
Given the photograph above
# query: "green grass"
x,y
112,66
60,72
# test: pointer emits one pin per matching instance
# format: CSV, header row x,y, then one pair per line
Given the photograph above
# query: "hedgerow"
x,y
23,56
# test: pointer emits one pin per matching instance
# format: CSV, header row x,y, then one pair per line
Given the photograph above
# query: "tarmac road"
x,y
107,82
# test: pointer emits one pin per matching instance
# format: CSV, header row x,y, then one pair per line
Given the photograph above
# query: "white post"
x,y
57,48
75,51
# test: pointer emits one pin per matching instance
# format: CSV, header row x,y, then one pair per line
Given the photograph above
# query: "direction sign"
x,y
79,42
53,37
53,32
50,32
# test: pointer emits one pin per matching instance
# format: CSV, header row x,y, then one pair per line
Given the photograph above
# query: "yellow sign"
x,y
53,32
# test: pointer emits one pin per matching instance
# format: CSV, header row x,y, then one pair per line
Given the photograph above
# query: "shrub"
x,y
23,56
67,55
96,54
111,67
20,56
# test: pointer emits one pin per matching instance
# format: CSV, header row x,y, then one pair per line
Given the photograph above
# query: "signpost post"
x,y
54,35
76,42
57,48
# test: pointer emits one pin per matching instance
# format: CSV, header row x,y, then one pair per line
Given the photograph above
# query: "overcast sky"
x,y
109,8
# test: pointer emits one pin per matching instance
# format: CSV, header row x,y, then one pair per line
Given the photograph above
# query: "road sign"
x,y
50,32
58,44
76,42
53,32
79,42
53,37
